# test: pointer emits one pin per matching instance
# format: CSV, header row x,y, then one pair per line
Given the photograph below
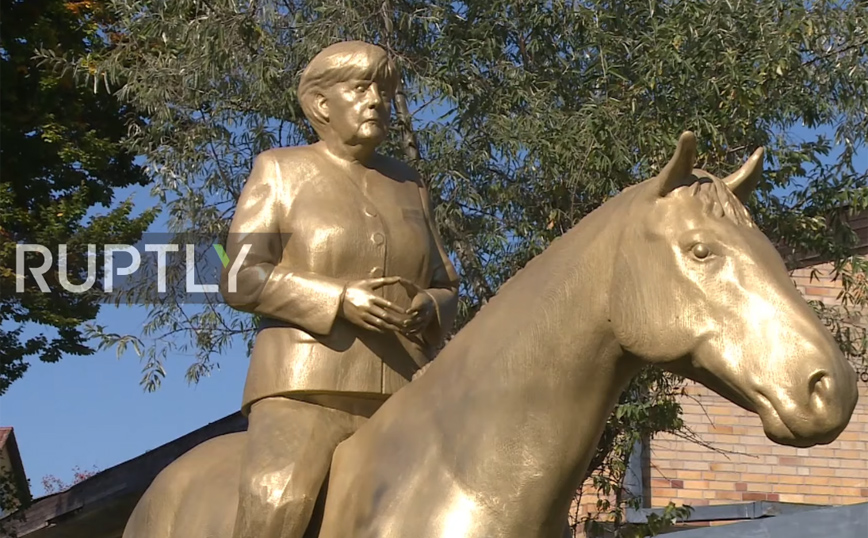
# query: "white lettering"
x,y
236,266
122,271
37,272
192,287
161,251
63,274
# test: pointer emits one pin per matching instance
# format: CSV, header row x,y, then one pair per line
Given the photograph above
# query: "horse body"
x,y
496,435
516,418
168,509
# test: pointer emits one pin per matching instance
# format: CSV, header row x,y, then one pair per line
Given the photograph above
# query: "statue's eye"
x,y
701,251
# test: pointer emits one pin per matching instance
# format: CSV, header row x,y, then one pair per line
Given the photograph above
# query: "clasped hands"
x,y
362,307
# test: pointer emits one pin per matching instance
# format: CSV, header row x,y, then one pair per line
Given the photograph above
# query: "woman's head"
x,y
340,63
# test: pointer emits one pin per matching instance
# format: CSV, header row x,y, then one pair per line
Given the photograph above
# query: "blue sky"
x,y
91,412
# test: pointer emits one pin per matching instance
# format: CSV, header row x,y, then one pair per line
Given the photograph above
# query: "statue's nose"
x,y
832,397
821,388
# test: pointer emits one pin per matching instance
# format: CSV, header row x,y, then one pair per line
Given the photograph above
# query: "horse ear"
x,y
678,171
745,180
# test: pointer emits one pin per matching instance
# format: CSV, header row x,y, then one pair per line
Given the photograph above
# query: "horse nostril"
x,y
819,385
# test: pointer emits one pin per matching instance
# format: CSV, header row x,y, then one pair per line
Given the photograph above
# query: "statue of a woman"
x,y
350,277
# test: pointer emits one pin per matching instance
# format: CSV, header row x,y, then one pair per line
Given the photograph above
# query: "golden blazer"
x,y
312,229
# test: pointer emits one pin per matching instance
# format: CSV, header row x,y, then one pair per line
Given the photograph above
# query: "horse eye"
x,y
701,251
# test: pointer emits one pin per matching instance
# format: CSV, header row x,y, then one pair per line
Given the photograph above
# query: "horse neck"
x,y
543,365
552,318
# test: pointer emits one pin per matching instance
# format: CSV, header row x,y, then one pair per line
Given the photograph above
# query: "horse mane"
x,y
718,200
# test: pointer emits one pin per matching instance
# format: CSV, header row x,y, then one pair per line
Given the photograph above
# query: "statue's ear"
x,y
679,170
321,107
743,182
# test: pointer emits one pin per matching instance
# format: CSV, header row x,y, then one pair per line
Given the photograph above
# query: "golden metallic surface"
x,y
346,267
494,438
329,224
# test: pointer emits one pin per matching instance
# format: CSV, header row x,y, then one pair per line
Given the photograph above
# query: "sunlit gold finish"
x,y
494,438
353,285
333,226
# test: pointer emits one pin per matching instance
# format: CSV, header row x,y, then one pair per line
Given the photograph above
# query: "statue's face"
x,y
357,111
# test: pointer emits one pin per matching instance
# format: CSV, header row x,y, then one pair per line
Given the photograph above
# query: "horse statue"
x,y
494,438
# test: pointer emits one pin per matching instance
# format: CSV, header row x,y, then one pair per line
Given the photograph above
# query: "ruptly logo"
x,y
195,264
224,258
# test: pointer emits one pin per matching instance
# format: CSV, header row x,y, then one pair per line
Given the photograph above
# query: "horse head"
x,y
700,291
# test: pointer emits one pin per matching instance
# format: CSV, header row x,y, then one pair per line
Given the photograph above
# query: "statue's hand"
x,y
421,312
362,307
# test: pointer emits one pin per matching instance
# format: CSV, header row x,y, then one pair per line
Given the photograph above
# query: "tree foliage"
x,y
60,156
52,484
522,116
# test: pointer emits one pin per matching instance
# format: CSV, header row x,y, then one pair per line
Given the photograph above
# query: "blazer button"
x,y
378,238
370,211
376,272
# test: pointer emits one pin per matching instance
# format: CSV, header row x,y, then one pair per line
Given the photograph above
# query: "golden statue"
x,y
346,267
496,435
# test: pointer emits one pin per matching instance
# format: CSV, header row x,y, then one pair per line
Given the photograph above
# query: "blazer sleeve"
x,y
255,248
443,288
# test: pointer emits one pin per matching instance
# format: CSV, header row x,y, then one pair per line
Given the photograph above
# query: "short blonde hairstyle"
x,y
339,63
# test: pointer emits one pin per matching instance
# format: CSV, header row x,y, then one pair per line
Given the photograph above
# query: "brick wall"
x,y
741,464
819,288
746,466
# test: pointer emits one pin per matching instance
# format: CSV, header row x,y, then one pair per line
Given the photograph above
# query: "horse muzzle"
x,y
814,412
